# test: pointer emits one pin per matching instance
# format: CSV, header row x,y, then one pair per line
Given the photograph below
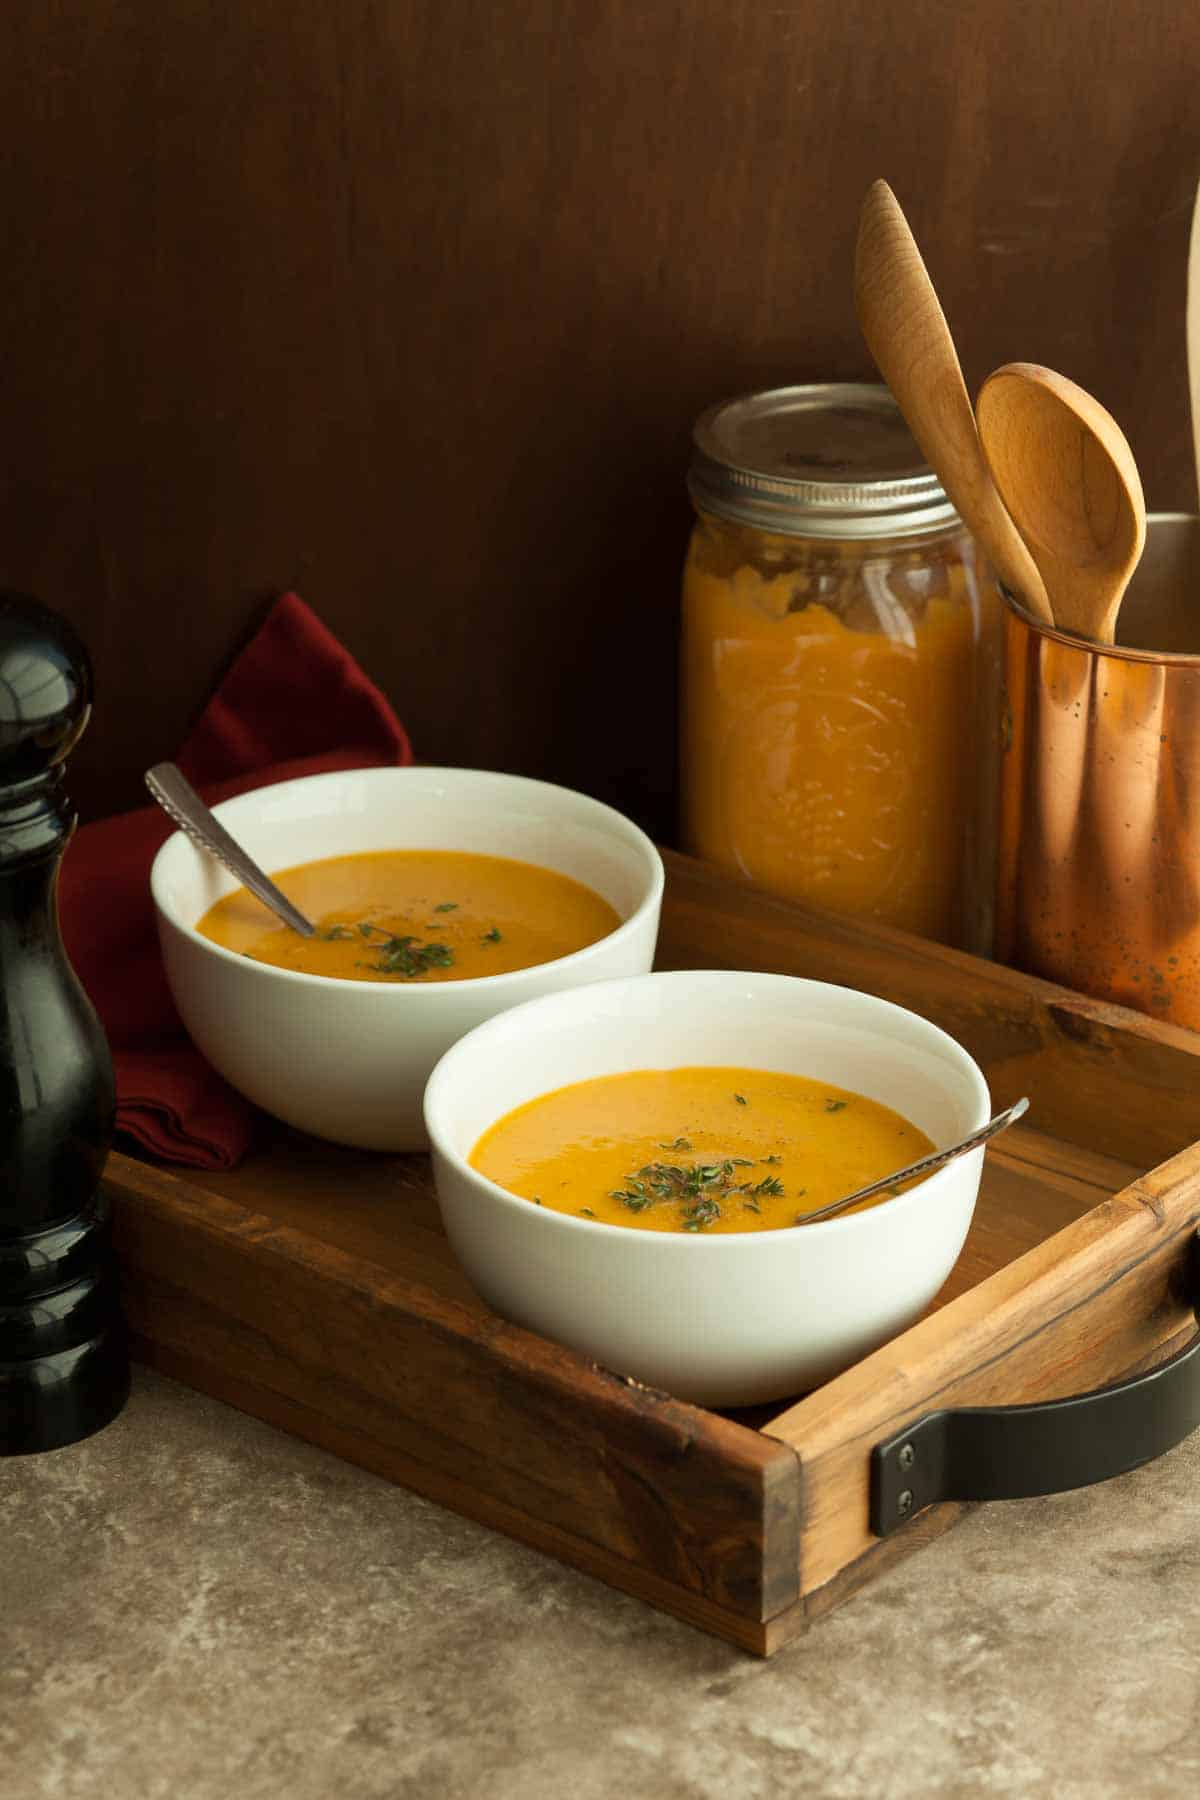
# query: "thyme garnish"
x,y
491,937
702,1213
698,1187
836,1105
408,956
741,1099
770,1185
447,906
405,955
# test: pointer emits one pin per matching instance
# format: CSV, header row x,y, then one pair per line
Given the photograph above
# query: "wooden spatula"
x,y
909,338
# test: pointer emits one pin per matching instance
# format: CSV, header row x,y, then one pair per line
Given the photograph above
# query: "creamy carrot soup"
x,y
415,915
696,1149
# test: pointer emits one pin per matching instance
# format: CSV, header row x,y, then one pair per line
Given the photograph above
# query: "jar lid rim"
x,y
821,459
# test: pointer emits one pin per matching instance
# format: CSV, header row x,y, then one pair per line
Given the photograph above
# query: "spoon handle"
x,y
180,801
925,1166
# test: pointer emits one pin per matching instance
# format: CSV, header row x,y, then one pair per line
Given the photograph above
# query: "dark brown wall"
x,y
411,303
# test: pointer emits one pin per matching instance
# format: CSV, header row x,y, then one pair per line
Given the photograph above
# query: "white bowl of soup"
x,y
624,1168
441,897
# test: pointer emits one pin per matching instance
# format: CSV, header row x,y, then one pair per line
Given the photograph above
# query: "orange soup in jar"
x,y
838,667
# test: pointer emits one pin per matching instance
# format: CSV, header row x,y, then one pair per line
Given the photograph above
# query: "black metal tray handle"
x,y
1014,1452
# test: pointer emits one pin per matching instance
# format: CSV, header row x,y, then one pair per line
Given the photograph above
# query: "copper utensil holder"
x,y
1099,862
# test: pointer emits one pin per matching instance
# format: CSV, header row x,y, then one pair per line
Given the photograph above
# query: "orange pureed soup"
x,y
696,1149
415,915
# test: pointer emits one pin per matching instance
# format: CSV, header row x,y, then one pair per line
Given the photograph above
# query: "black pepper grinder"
x,y
64,1369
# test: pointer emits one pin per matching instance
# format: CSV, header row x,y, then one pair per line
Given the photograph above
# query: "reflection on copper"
x,y
1063,677
1124,768
1100,814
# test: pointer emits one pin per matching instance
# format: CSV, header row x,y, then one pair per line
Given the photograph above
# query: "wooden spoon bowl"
x,y
1070,482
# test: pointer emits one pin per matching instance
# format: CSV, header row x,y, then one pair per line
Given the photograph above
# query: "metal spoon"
x,y
1069,479
925,1166
180,801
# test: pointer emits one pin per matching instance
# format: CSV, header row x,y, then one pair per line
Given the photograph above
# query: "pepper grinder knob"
x,y
64,1369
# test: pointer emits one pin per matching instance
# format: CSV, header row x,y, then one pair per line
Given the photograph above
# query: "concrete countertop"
x,y
196,1607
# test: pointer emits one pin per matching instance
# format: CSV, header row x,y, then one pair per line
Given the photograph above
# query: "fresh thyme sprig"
x,y
701,1213
699,1187
398,955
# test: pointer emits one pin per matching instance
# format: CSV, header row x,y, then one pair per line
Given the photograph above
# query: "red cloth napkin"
x,y
294,703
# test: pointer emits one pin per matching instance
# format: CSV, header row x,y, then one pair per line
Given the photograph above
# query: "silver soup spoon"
x,y
927,1164
180,801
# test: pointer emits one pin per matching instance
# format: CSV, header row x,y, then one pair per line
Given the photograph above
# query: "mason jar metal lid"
x,y
831,460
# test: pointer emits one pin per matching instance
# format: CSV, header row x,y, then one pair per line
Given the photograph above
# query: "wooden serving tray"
x,y
313,1287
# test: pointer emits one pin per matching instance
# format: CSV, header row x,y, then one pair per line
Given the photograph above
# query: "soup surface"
x,y
696,1149
415,915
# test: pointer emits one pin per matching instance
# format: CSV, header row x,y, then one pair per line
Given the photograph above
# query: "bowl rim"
x,y
636,840
733,1242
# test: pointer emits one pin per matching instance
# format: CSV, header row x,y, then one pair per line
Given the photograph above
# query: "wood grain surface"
x,y
411,304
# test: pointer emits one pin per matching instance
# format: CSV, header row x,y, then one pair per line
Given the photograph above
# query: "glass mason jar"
x,y
839,666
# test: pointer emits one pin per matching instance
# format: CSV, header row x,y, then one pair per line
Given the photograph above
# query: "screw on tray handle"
x,y
1014,1452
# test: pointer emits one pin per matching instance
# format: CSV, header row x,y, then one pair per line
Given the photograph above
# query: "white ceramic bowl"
x,y
724,1320
348,1060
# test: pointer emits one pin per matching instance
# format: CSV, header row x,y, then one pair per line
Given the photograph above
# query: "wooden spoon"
x,y
907,334
1069,479
1193,329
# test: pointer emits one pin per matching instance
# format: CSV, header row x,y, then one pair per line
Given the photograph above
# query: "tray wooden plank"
x,y
314,1287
